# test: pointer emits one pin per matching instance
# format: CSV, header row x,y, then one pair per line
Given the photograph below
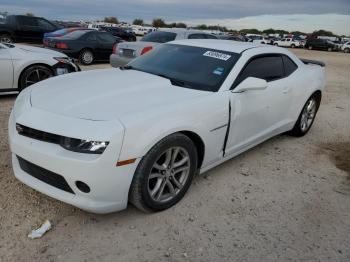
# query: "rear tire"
x,y
307,116
159,181
275,44
330,49
310,47
86,57
346,50
6,38
34,74
293,45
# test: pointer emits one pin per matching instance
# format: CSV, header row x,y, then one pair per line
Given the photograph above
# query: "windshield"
x,y
187,66
159,37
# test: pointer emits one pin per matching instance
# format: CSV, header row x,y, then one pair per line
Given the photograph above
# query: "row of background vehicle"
x,y
99,46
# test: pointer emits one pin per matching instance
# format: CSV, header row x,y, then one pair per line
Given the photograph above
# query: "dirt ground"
x,y
285,200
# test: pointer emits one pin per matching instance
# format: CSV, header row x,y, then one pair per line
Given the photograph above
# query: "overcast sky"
x,y
304,15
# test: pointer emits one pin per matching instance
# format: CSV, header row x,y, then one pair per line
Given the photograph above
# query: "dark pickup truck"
x,y
21,28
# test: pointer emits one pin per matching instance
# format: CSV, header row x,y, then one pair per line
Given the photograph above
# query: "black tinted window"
x,y
211,37
289,65
159,37
197,36
45,24
105,37
28,21
268,67
91,36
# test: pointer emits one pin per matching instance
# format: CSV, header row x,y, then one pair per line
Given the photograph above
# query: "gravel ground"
x,y
285,200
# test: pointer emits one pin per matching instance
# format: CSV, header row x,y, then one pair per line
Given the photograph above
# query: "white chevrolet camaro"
x,y
100,139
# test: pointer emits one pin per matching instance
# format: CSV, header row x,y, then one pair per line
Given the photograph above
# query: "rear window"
x,y
289,65
75,34
159,37
197,68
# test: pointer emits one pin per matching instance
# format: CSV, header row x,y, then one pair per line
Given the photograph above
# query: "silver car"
x,y
124,52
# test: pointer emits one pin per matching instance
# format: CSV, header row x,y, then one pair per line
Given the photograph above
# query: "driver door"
x,y
6,69
257,115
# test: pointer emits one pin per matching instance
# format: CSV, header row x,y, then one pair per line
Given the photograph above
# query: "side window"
x,y
289,65
28,21
45,24
211,37
269,68
197,36
105,37
91,36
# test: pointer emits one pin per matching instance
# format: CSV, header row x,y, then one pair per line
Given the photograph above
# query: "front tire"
x,y
34,74
164,174
310,47
346,50
307,116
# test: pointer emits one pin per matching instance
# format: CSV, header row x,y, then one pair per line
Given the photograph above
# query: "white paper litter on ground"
x,y
39,232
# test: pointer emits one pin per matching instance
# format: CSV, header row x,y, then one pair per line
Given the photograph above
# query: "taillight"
x,y
61,46
146,49
115,49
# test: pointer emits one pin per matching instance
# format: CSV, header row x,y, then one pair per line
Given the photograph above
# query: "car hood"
x,y
107,94
39,50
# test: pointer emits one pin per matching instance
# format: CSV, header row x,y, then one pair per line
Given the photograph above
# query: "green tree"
x,y
158,22
202,27
250,31
111,19
323,33
137,22
181,25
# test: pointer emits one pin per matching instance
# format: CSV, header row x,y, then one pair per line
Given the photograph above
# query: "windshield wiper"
x,y
174,81
127,67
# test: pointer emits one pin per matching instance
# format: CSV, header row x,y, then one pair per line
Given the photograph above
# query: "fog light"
x,y
82,187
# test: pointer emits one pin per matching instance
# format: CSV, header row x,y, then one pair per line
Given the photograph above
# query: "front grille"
x,y
128,52
44,175
37,134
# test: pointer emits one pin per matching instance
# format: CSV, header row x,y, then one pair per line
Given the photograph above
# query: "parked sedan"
x,y
123,53
320,44
22,66
85,45
140,133
126,35
60,33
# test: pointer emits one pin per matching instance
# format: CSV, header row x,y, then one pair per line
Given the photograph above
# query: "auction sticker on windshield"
x,y
217,55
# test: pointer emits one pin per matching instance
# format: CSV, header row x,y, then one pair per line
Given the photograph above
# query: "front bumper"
x,y
109,184
117,61
68,67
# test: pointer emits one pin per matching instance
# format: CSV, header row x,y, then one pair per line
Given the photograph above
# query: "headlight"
x,y
64,60
84,146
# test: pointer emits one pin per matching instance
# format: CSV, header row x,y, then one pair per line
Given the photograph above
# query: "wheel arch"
x,y
18,81
198,142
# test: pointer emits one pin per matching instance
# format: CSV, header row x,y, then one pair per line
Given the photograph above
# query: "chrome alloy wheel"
x,y
169,174
308,114
87,57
